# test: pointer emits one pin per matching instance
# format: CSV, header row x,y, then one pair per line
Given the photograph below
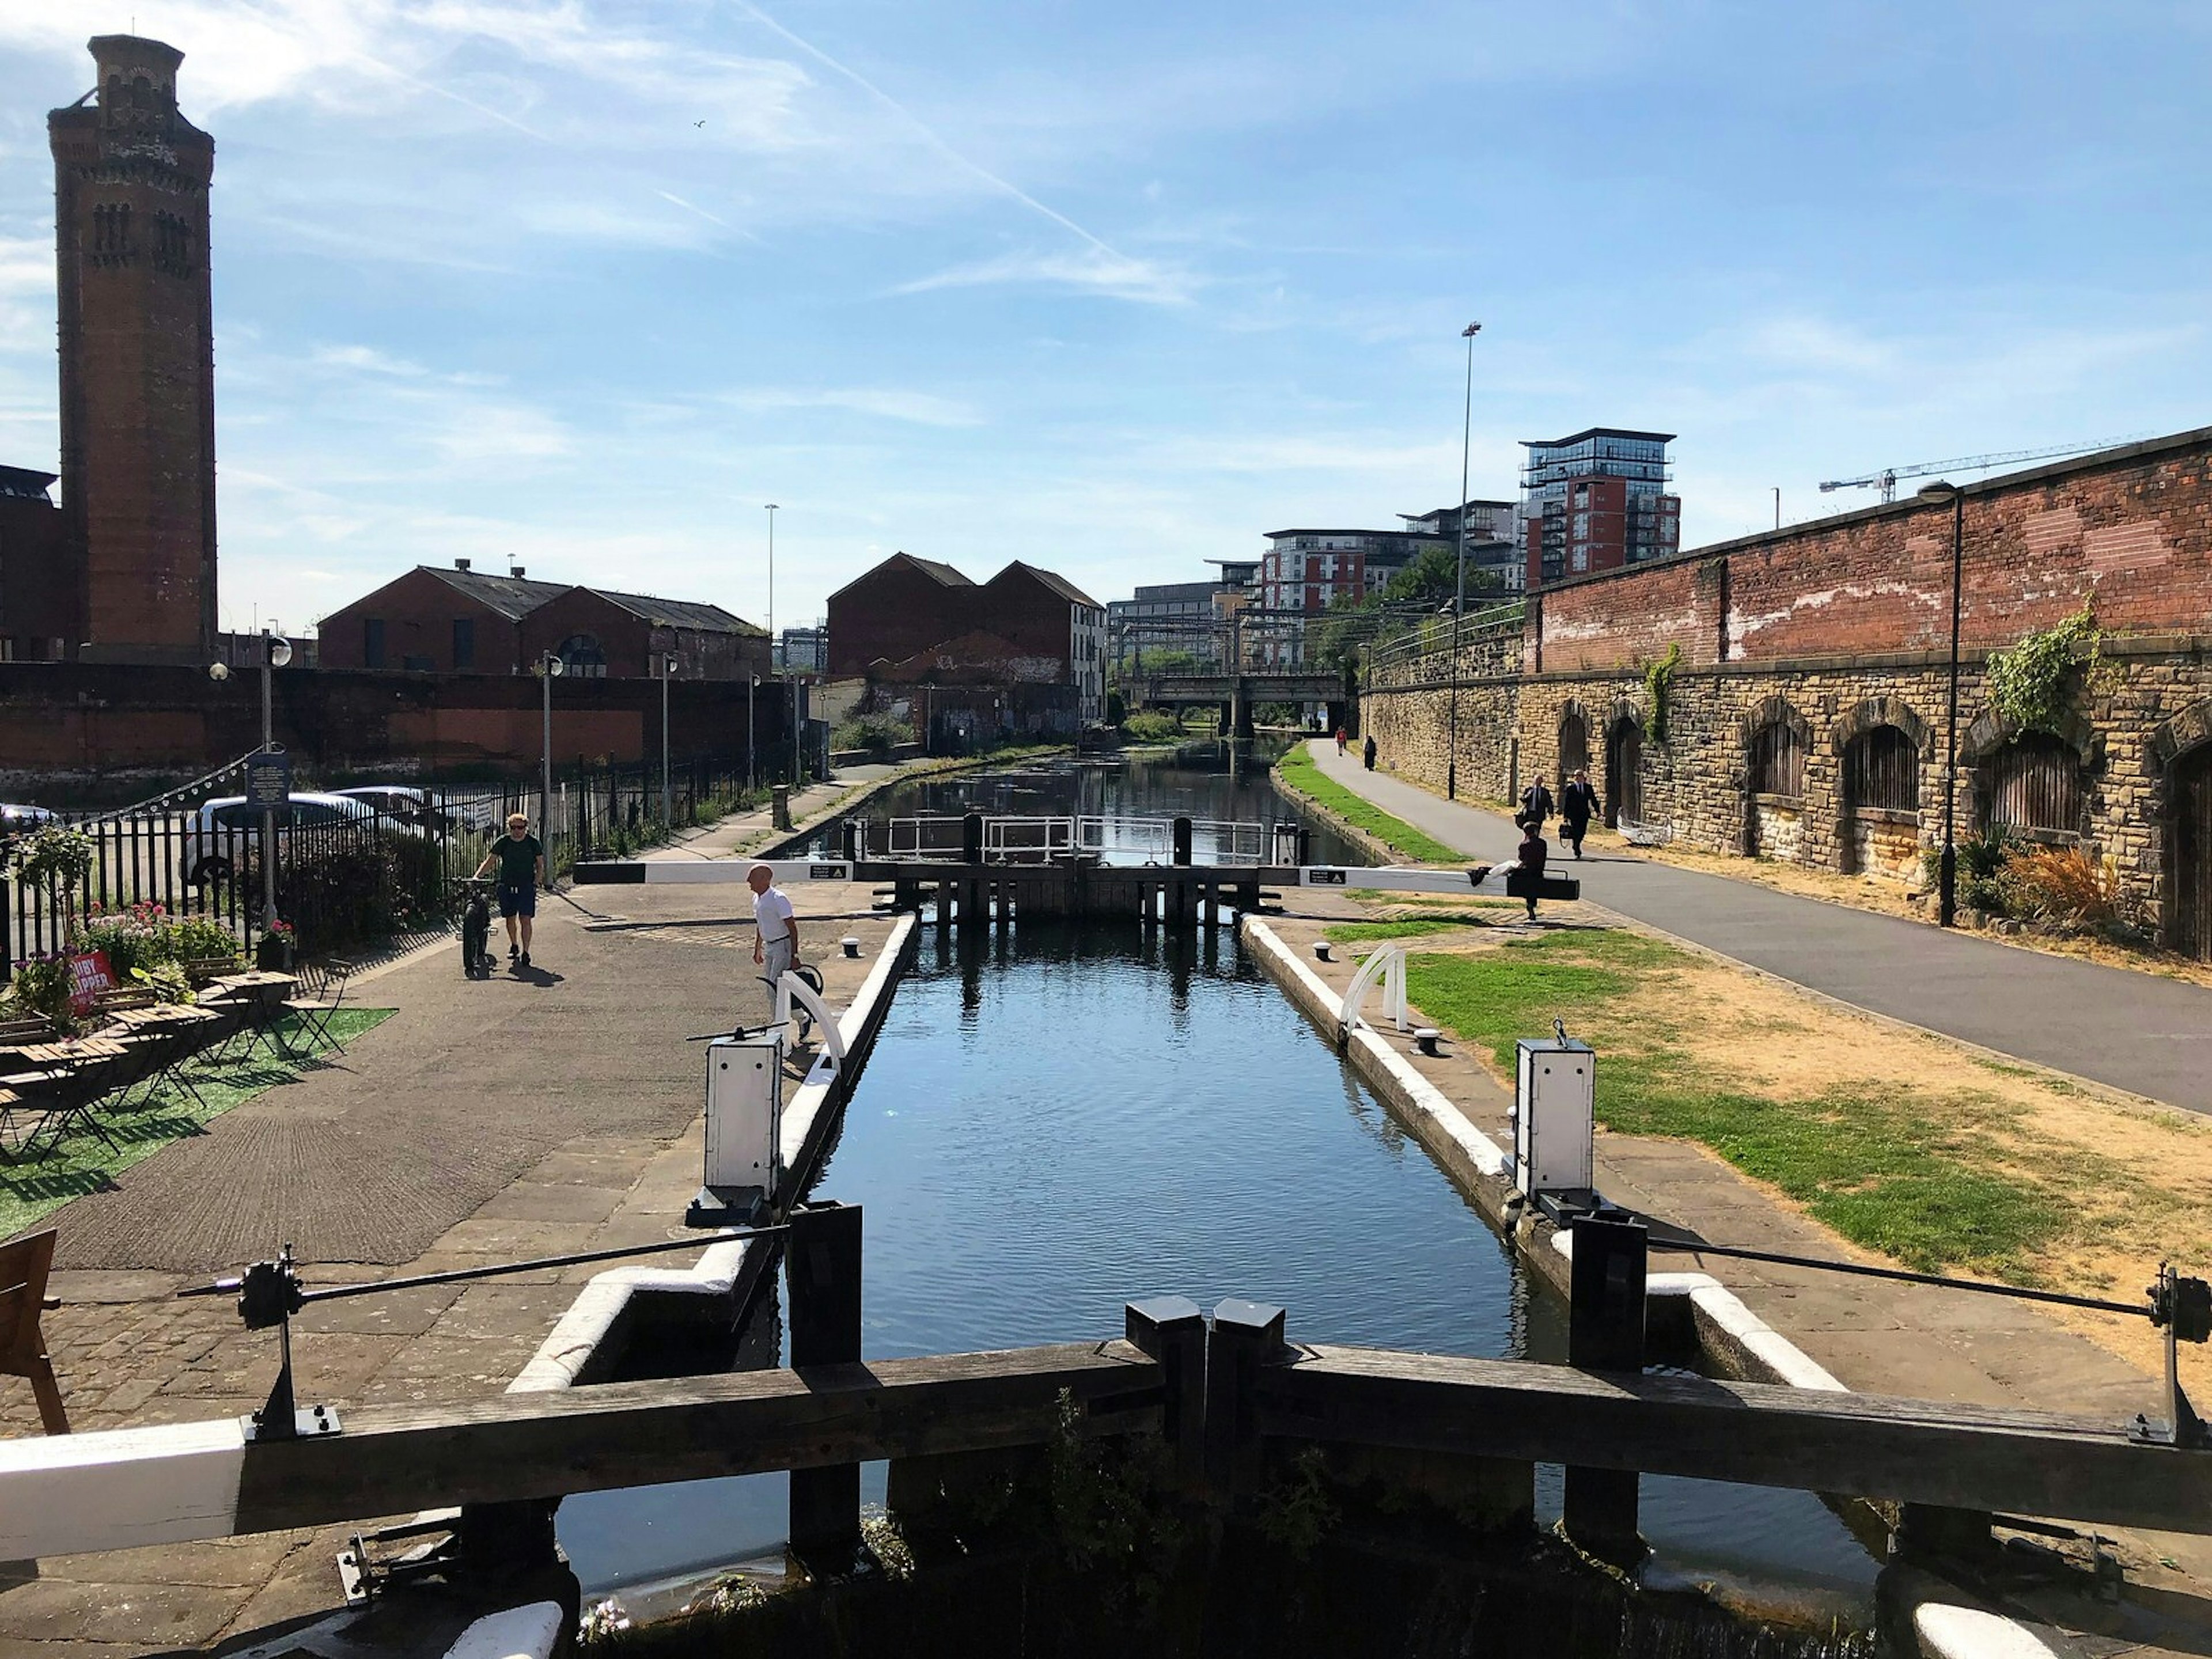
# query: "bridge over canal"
x,y
1236,695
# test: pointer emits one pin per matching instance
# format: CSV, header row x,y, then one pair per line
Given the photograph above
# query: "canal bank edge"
x,y
1684,1308
1373,844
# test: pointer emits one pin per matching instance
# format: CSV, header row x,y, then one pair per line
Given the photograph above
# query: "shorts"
x,y
521,900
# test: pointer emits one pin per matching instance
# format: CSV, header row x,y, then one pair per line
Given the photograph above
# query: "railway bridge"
x,y
1236,695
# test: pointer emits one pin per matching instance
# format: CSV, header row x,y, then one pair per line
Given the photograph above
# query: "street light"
x,y
751,782
550,669
1459,602
667,797
276,652
771,511
1947,901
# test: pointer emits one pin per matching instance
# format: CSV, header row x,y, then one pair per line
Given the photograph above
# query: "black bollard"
x,y
1605,1333
821,1259
1182,841
1246,1336
1172,1330
971,838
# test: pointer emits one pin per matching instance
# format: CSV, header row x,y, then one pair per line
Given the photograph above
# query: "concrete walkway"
x,y
2132,1030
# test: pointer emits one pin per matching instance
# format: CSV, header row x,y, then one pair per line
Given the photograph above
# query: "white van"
x,y
223,833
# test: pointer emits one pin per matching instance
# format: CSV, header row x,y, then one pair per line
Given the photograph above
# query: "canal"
x,y
1063,1116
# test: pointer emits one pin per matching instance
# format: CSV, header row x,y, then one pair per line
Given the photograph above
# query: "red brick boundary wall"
x,y
1838,633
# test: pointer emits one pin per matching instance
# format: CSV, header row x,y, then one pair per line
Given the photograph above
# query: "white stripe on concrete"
x,y
526,1632
119,1489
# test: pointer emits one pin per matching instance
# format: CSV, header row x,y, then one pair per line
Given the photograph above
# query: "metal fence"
x,y
1014,839
1436,635
349,875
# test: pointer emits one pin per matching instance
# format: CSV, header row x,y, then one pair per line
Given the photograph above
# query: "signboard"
x,y
90,976
269,779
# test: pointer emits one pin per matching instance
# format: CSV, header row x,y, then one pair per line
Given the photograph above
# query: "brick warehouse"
x,y
1807,715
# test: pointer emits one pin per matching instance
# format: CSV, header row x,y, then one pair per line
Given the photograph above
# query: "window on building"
x,y
2033,785
581,653
1582,527
1777,762
465,642
1881,770
372,643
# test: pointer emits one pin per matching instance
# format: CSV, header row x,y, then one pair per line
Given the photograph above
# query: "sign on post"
x,y
269,779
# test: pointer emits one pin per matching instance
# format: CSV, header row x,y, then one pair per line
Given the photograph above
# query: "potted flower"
x,y
274,951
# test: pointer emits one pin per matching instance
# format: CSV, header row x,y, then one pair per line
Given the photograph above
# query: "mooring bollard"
x,y
822,1260
1605,1333
853,831
1182,840
1172,1330
1246,1335
971,838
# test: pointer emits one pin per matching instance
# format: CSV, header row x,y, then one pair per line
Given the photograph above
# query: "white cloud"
x,y
891,404
1090,269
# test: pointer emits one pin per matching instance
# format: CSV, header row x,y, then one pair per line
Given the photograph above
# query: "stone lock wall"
x,y
1838,629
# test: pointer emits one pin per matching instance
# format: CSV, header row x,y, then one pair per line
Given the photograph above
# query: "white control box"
x,y
1554,1105
744,1115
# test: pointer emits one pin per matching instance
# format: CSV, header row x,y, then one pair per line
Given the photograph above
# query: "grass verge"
x,y
1297,770
1935,1178
1413,927
85,1163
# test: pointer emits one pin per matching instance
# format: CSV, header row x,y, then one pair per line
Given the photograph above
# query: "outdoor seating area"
x,y
135,1047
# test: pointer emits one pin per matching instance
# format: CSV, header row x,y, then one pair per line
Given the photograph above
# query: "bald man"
x,y
775,931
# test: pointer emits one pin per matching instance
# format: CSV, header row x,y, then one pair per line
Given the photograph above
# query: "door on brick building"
x,y
2189,852
1624,773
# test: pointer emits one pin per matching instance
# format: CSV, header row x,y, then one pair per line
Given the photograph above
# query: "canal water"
x,y
1065,1116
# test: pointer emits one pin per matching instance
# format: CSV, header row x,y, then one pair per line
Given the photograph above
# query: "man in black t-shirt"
x,y
521,859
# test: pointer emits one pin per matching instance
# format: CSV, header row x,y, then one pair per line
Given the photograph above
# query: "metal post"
x,y
1605,1331
269,817
1947,897
823,1263
752,782
1459,603
545,772
667,794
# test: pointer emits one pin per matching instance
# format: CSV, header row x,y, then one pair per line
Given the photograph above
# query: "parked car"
x,y
226,830
22,820
404,802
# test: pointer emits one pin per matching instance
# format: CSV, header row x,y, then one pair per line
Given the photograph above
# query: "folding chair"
x,y
325,991
24,1265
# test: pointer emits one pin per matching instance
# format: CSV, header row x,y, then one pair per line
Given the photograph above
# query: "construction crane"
x,y
1885,480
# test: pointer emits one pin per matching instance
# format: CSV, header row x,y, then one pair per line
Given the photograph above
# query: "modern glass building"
x,y
1595,500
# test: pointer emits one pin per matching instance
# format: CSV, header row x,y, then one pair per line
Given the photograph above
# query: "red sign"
x,y
90,976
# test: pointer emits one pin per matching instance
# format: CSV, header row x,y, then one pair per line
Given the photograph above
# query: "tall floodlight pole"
x,y
1459,603
770,509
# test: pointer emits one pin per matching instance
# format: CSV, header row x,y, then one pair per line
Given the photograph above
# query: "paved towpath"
x,y
2132,1031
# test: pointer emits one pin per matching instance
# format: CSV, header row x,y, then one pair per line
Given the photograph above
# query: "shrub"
x,y
878,734
2063,887
1982,862
1150,726
41,986
2031,684
145,939
1117,709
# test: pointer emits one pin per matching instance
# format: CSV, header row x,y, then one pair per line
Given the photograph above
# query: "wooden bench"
x,y
24,1265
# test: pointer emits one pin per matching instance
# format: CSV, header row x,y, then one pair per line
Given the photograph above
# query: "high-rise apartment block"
x,y
138,361
1595,500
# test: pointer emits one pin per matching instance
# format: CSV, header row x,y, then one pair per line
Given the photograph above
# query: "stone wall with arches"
x,y
2140,742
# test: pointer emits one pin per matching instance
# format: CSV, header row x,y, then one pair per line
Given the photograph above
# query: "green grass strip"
x,y
85,1163
1359,933
1300,772
1917,1175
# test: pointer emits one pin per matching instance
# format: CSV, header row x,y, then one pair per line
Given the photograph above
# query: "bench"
x,y
24,1265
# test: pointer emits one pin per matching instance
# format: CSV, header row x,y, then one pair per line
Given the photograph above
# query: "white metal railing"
x,y
1017,840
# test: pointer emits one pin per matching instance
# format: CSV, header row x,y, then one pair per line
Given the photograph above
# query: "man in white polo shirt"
x,y
775,931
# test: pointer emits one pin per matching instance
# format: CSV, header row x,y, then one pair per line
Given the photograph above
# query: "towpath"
x,y
2132,1030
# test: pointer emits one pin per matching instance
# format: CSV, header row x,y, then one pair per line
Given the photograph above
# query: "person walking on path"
x,y
1529,861
775,935
1536,806
521,859
1340,740
1367,753
1577,806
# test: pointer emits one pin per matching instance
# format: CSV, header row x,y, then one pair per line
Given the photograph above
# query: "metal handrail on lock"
x,y
1388,967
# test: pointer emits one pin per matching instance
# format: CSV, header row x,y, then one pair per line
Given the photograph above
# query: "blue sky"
x,y
1114,288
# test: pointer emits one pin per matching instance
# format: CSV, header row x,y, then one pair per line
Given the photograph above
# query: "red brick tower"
x,y
137,359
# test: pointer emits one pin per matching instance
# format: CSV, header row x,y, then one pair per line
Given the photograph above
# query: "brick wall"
x,y
1838,631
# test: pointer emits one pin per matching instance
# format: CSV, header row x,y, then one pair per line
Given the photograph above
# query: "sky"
x,y
1115,288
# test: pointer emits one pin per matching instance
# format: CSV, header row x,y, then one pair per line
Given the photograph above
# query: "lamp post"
x,y
550,669
1459,602
770,509
667,794
751,781
1947,899
276,652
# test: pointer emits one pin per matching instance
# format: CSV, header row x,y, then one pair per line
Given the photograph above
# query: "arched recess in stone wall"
x,y
1623,781
1574,737
1882,711
2037,781
1775,743
2181,761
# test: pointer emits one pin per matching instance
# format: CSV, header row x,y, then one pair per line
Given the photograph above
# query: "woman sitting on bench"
x,y
1527,874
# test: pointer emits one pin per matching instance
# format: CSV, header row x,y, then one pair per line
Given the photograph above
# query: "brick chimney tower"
x,y
137,359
